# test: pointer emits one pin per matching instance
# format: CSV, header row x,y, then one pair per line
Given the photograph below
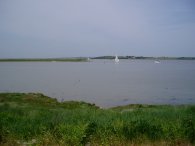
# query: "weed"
x,y
38,118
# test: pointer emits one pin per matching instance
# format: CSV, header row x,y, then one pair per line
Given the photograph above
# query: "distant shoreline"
x,y
147,58
44,60
85,59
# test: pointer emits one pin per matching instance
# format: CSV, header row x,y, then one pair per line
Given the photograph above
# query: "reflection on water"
x,y
104,82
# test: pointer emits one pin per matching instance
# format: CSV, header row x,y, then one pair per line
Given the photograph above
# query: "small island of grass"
x,y
35,119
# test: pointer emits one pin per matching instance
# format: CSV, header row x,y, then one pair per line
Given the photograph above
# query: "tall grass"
x,y
40,120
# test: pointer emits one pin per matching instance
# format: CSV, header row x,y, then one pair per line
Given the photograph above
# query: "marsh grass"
x,y
77,59
36,119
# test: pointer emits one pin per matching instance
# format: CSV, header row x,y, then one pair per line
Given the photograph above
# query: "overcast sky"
x,y
67,28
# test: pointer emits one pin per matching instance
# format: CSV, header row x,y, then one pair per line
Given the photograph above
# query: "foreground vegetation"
x,y
34,119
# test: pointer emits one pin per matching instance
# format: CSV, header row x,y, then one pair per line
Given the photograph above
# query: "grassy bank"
x,y
44,60
34,119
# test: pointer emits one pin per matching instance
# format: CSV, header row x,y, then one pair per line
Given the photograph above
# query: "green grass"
x,y
35,119
44,60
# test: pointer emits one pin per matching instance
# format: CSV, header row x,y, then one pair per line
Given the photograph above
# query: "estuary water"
x,y
104,82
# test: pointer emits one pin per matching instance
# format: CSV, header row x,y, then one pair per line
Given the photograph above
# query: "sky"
x,y
74,28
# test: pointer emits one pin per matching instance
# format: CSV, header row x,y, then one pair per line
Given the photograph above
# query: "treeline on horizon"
x,y
143,57
80,59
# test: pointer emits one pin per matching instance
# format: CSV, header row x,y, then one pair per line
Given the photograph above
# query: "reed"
x,y
37,119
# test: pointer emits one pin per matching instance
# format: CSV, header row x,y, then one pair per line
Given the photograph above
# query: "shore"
x,y
44,60
35,119
85,59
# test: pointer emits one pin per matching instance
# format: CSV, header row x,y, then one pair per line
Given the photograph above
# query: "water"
x,y
103,82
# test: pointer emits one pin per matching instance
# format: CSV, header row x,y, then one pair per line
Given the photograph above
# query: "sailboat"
x,y
156,61
116,59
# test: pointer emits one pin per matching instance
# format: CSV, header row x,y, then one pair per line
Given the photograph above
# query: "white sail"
x,y
116,59
156,61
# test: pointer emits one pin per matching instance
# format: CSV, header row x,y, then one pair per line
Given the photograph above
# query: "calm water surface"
x,y
103,82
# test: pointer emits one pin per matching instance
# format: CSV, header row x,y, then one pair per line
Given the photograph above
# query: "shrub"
x,y
141,128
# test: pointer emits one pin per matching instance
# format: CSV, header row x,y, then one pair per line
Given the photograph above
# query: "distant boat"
x,y
116,59
156,61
